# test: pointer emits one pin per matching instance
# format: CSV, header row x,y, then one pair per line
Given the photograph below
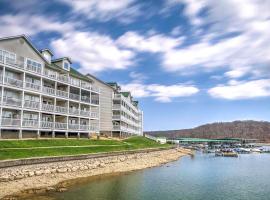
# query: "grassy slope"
x,y
128,144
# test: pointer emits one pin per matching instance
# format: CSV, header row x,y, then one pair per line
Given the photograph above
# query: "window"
x,y
8,56
33,65
66,65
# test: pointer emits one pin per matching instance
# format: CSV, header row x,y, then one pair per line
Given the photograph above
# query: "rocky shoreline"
x,y
38,178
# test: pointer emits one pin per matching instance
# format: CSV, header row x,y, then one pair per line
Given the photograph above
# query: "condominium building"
x,y
45,97
127,118
41,97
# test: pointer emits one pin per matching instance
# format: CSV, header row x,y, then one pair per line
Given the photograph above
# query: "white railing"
x,y
74,111
46,125
11,122
93,127
116,117
60,125
95,89
85,99
85,113
50,74
33,68
48,90
61,109
95,101
86,85
48,107
63,78
12,62
62,93
116,106
116,127
84,127
74,126
31,104
11,101
117,96
30,123
13,82
74,96
32,86
94,114
74,82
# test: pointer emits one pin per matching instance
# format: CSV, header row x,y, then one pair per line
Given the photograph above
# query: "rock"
x,y
62,189
38,173
30,173
61,170
4,178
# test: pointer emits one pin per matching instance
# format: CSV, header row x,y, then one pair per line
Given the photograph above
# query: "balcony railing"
x,y
48,107
48,90
74,96
94,114
63,78
32,86
62,93
61,109
93,127
116,127
33,69
11,101
46,125
74,82
31,105
50,74
116,117
85,85
74,111
14,122
85,99
13,82
74,126
60,125
95,101
85,113
116,106
95,89
12,62
84,127
30,123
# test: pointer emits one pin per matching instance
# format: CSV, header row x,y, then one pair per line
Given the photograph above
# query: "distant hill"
x,y
237,129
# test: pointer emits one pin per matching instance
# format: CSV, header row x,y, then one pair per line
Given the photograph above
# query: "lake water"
x,y
202,177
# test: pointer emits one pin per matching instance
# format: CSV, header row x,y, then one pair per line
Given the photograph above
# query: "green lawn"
x,y
66,147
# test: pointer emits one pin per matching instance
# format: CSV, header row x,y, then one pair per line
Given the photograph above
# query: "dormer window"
x,y
66,65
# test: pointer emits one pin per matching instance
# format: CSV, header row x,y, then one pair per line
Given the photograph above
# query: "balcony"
x,y
60,125
31,105
48,107
116,106
95,101
13,63
85,113
11,101
93,127
85,85
61,109
116,117
85,99
46,125
74,96
48,90
50,74
33,69
74,82
74,126
32,86
14,122
62,93
30,123
63,78
84,127
74,111
94,114
95,89
116,127
13,82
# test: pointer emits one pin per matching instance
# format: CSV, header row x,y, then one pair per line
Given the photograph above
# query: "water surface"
x,y
203,177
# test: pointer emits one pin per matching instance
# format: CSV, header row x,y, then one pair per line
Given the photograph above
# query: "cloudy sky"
x,y
188,62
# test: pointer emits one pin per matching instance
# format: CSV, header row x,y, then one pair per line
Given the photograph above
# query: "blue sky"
x,y
188,62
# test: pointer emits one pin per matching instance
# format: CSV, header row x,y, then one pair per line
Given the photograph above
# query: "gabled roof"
x,y
63,58
48,50
126,94
28,42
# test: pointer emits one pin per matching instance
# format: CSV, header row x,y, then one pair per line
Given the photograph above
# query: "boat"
x,y
226,153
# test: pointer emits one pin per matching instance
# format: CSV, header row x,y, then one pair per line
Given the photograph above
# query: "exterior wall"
x,y
23,100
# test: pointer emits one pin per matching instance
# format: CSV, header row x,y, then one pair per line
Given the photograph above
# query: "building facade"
x,y
45,97
126,116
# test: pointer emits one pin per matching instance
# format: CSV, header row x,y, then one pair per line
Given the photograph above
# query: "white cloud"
x,y
104,10
137,77
20,24
244,53
242,90
161,93
94,52
153,43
